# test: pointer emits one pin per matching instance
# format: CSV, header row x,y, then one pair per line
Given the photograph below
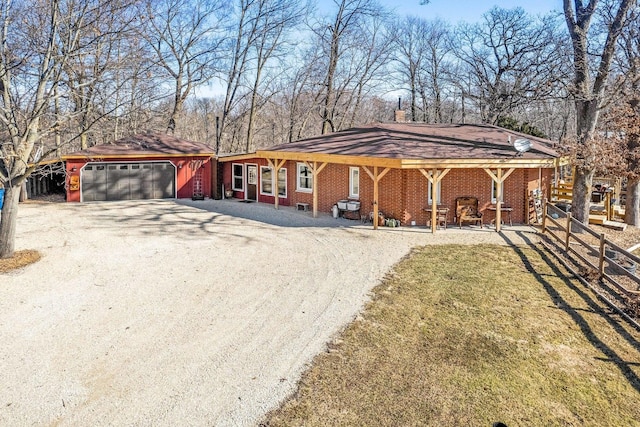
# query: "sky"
x,y
454,11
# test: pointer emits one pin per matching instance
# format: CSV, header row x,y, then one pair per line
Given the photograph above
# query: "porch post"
x,y
376,177
434,177
275,168
498,178
315,170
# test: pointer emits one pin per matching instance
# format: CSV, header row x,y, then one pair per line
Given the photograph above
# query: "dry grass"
x,y
18,260
461,335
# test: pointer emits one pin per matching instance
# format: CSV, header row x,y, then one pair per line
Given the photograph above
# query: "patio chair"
x,y
467,211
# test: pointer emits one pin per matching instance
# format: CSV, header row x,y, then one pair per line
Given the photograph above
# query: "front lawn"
x,y
472,335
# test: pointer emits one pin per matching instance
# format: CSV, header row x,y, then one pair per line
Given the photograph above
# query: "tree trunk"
x,y
582,184
632,205
8,221
587,117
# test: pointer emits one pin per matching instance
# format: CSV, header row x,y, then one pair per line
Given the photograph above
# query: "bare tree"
x,y
627,111
87,75
185,36
412,56
511,58
332,39
589,85
38,40
274,19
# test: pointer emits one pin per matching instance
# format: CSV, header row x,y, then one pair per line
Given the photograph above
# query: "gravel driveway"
x,y
171,313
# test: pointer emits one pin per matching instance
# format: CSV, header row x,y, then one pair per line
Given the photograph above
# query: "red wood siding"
x,y
184,174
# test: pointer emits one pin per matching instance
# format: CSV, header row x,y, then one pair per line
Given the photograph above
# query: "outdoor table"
x,y
503,209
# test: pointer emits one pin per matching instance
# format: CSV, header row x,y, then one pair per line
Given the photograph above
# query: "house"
x,y
396,168
143,166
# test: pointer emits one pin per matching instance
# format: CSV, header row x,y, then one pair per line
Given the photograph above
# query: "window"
x,y
438,188
354,182
282,182
238,177
266,181
304,181
493,191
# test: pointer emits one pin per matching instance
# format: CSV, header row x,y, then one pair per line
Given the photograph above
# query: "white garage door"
x,y
128,181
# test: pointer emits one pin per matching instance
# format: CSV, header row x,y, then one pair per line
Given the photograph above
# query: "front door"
x,y
252,183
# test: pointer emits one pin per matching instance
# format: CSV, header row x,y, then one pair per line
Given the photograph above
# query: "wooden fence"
x,y
611,262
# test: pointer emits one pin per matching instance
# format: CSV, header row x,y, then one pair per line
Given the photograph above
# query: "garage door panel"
x,y
146,181
128,181
163,179
135,182
94,183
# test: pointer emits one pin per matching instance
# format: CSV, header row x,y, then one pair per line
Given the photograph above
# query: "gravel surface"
x,y
171,313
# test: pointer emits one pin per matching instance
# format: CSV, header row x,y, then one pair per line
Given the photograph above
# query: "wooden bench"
x,y
302,207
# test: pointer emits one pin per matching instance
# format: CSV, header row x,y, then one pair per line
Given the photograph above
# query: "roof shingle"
x,y
146,144
423,141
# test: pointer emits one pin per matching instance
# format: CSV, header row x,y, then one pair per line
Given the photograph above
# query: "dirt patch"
x,y
18,260
626,238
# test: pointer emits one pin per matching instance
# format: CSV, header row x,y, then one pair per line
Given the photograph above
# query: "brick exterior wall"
x,y
403,192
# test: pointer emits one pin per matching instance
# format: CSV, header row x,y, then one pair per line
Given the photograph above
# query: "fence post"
x,y
566,244
544,215
601,259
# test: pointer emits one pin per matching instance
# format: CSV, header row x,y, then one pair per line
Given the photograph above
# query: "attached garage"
x,y
145,166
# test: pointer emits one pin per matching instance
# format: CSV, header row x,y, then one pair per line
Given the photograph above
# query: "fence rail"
x,y
612,262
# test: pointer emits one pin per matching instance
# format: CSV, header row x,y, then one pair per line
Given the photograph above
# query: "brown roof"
x,y
145,145
423,141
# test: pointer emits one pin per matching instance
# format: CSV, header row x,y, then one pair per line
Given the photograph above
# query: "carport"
x,y
144,166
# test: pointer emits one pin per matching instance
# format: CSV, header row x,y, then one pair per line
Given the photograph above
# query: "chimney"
x,y
399,116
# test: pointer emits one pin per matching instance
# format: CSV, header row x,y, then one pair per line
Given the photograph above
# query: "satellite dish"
x,y
522,145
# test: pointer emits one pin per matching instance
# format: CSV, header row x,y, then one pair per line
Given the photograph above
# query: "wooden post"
x,y
434,201
607,205
376,194
315,170
275,168
498,178
601,257
544,215
375,177
566,244
499,200
434,177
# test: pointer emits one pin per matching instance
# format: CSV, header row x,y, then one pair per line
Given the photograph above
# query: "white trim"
x,y
354,194
303,189
233,176
438,192
262,180
262,193
284,196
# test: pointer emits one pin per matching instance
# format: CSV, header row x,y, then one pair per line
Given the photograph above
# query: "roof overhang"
x,y
94,157
237,157
515,162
